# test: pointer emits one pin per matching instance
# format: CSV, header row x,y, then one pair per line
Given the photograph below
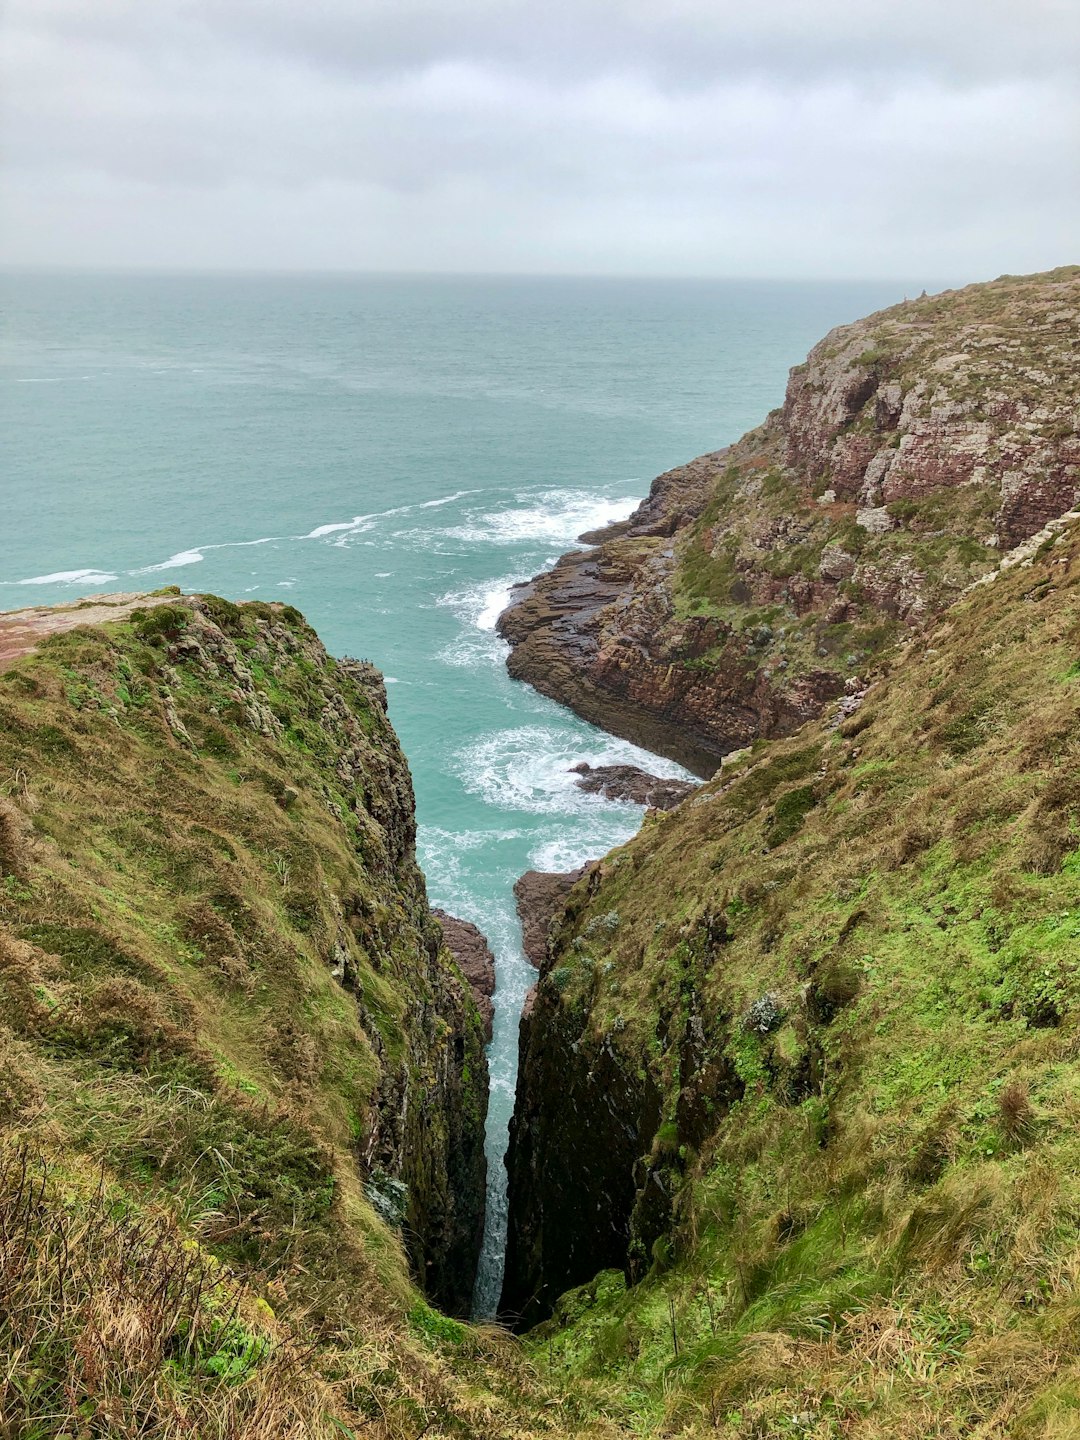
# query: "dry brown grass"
x,y
116,1324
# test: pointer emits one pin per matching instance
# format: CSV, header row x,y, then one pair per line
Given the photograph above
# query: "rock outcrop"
x,y
248,821
627,782
540,895
804,1038
914,449
470,949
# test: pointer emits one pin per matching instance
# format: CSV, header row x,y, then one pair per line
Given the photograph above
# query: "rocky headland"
x,y
913,450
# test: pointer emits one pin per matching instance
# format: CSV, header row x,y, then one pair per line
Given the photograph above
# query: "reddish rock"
x,y
474,959
913,450
540,895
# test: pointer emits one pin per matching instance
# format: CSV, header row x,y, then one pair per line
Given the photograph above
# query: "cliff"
x,y
242,1081
801,1075
913,449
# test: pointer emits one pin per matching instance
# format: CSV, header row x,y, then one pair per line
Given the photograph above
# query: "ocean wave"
x,y
70,577
356,525
569,849
475,650
482,603
359,524
550,517
529,768
174,562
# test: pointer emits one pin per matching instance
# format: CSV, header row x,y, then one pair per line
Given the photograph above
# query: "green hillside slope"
x,y
804,1064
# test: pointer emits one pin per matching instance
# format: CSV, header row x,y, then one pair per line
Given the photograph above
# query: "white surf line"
x,y
66,577
195,554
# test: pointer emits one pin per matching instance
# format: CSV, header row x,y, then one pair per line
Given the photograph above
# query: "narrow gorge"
x,y
794,1151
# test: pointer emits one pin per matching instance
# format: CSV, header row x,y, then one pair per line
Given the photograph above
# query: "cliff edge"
x,y
913,450
797,1099
242,1080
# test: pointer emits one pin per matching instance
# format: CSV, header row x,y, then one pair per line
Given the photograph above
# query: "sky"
x,y
765,138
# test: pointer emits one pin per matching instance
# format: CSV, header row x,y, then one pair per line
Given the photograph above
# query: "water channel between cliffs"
x,y
389,455
538,819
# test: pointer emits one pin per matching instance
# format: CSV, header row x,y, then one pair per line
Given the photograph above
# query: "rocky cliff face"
x,y
913,449
474,959
804,1051
212,831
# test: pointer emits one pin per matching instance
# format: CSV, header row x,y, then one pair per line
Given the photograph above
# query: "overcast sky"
x,y
791,138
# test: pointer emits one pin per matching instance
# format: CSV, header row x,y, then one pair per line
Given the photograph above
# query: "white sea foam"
x,y
356,525
478,606
361,523
529,768
436,504
174,562
474,650
548,517
70,577
443,856
482,603
567,852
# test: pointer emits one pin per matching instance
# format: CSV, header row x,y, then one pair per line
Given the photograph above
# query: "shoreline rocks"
x,y
914,449
539,895
628,782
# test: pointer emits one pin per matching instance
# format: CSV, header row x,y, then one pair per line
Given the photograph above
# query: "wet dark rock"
x,y
627,782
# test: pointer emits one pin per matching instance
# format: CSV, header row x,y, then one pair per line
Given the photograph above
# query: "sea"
x,y
390,455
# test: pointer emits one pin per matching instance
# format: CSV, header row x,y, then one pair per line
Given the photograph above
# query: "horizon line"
x,y
8,267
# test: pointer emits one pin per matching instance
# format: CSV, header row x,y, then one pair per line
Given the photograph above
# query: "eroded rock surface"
x,y
913,450
470,949
540,895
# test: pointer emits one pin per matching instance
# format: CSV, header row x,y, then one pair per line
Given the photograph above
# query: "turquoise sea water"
x,y
389,455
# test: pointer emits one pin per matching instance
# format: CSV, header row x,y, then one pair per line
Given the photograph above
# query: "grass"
x,y
877,1234
762,541
220,990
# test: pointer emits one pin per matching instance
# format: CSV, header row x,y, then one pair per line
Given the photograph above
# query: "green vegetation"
x,y
219,981
828,1008
877,1233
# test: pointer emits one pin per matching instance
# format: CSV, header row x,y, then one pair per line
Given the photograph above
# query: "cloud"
x,y
612,135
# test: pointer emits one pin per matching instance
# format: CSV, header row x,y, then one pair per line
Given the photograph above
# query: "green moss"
x,y
790,811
